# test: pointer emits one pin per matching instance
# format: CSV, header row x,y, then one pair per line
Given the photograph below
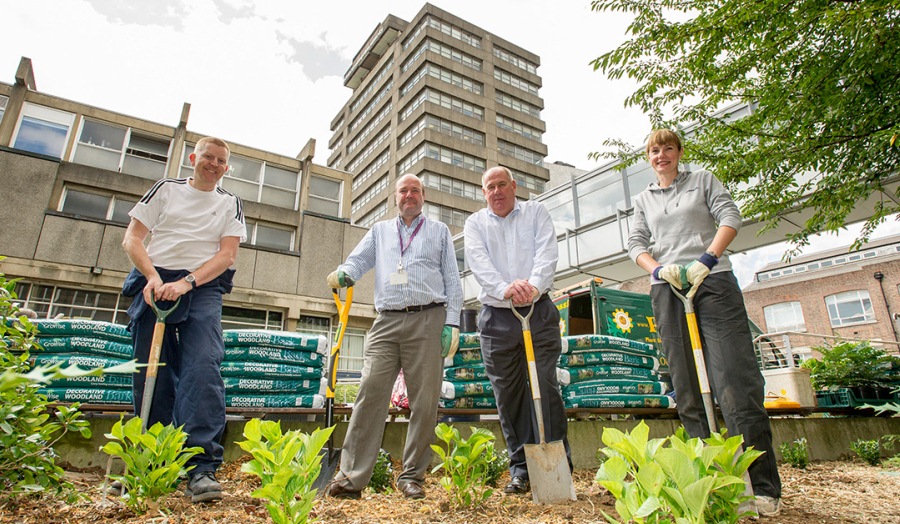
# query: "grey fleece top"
x,y
677,224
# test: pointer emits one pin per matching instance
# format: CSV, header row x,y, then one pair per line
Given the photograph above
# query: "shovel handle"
x,y
343,315
532,367
159,329
699,360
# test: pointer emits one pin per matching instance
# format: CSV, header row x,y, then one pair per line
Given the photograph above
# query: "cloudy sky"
x,y
268,73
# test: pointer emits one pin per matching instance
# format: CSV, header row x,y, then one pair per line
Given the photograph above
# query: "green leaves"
x,y
818,84
466,464
675,479
851,364
287,464
154,460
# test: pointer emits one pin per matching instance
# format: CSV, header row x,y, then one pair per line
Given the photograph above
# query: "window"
x,y
515,59
324,196
243,318
519,152
372,216
516,104
848,308
104,145
3,101
354,340
43,130
270,235
74,303
256,181
786,316
599,197
96,205
451,185
447,215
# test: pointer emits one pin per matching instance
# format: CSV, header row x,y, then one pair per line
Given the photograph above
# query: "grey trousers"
x,y
503,350
411,341
734,376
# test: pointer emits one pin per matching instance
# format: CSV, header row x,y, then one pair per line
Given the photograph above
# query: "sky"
x,y
269,73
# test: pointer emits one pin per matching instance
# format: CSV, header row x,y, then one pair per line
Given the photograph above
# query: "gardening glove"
x,y
673,274
698,270
339,279
449,341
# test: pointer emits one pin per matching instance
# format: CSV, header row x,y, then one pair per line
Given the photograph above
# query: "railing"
x,y
778,350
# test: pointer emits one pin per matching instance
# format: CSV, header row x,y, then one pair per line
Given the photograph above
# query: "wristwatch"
x,y
191,280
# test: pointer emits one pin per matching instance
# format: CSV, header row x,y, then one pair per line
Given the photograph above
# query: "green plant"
x,y
346,393
795,453
154,460
383,475
466,464
850,364
497,467
868,450
675,479
287,464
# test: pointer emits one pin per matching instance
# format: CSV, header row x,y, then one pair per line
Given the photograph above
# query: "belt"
x,y
414,309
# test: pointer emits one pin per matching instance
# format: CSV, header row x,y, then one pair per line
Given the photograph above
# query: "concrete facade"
x,y
443,99
53,244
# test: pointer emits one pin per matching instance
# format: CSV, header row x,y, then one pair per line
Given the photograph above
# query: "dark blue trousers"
x,y
189,388
734,376
503,350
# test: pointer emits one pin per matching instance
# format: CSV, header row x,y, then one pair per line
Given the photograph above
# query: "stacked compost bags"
x,y
87,344
274,369
600,371
466,384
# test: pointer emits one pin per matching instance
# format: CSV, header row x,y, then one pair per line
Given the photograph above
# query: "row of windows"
x,y
445,51
444,127
447,29
524,154
53,301
823,264
519,128
371,87
369,108
384,135
44,130
444,154
370,193
447,215
515,59
515,81
451,185
443,100
370,170
372,216
518,105
530,182
370,127
444,75
844,309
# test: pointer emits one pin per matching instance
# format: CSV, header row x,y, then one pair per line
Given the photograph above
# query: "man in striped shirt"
x,y
418,296
196,229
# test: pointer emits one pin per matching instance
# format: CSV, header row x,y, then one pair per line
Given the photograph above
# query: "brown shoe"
x,y
413,491
340,491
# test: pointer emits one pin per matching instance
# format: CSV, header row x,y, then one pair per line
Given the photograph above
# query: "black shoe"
x,y
413,491
518,485
340,491
203,487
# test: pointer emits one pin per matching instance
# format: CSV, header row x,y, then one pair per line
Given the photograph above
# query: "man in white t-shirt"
x,y
196,229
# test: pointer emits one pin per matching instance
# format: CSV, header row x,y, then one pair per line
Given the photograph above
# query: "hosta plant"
x,y
154,460
675,479
466,464
287,464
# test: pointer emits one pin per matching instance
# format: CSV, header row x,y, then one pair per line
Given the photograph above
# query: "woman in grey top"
x,y
683,223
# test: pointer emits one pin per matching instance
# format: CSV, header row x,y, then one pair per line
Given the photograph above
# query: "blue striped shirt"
x,y
429,263
521,246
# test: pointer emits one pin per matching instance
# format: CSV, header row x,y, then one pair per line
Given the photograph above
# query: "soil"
x,y
826,492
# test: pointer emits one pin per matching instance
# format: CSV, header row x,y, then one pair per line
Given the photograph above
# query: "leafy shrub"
x,y
795,453
154,461
868,450
497,467
288,465
383,475
28,427
466,464
676,479
850,364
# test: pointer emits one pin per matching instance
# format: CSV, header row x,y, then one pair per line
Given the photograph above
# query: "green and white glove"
x,y
338,279
698,270
674,274
449,341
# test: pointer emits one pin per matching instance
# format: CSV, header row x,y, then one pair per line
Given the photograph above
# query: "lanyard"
x,y
411,237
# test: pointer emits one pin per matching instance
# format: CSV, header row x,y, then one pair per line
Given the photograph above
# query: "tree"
x,y
822,78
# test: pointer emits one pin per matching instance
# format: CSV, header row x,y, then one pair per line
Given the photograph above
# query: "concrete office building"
x,y
443,99
70,173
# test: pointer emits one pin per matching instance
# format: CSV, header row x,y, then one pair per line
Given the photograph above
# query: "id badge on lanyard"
x,y
400,277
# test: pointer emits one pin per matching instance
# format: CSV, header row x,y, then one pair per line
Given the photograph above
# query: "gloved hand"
x,y
698,270
674,274
449,341
339,279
